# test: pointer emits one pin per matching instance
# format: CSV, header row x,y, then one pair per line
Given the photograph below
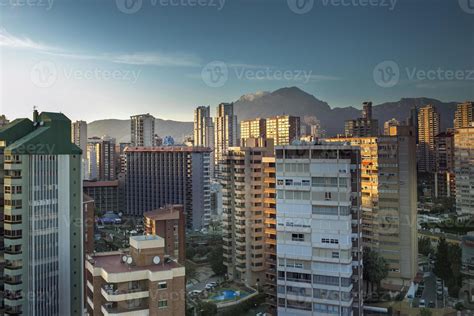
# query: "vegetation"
x,y
425,312
448,266
190,271
206,308
424,246
216,259
375,268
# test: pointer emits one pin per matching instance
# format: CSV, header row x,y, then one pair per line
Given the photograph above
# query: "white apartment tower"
x,y
225,124
204,131
319,250
142,130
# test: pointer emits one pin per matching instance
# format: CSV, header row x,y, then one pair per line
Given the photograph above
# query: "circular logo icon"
x,y
44,74
300,6
467,6
215,74
386,74
388,222
129,6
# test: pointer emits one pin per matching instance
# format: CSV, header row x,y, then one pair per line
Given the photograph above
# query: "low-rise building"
x,y
143,281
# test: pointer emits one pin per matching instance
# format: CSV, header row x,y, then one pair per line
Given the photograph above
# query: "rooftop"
x,y
165,213
169,149
112,263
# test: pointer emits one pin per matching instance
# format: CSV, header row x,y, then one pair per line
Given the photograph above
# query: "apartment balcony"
x,y
13,265
13,280
269,210
271,241
111,295
13,250
271,231
270,221
110,309
269,180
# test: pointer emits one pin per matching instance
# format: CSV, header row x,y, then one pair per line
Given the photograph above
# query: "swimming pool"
x,y
226,295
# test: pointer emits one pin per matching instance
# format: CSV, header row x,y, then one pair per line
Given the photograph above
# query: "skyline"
x,y
118,64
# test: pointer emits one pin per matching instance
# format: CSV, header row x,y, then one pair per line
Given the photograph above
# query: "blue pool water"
x,y
225,295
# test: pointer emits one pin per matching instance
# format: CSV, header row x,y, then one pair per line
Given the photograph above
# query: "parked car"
x,y
211,285
195,292
431,304
422,303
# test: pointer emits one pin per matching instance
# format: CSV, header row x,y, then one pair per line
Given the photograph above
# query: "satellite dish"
x,y
124,258
129,260
156,260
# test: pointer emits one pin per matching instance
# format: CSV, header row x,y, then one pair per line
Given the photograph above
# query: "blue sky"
x,y
90,60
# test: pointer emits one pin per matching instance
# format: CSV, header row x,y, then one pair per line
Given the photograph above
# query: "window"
x,y
335,255
297,237
162,285
327,195
162,304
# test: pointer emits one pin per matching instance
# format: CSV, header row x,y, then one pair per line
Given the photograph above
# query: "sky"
x,y
98,59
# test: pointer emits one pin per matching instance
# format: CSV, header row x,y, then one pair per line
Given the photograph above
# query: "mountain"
x,y
291,100
120,129
295,101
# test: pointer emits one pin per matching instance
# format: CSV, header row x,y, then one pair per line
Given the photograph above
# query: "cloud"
x,y
8,40
141,58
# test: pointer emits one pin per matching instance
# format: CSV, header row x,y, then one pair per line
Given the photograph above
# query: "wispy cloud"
x,y
9,40
134,58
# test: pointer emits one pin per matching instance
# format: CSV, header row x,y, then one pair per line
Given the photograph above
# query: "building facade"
x,y
169,223
255,128
463,115
226,133
464,170
390,127
444,182
101,158
41,177
157,176
142,130
142,281
79,135
204,131
319,251
283,129
106,195
364,126
428,128
243,217
389,197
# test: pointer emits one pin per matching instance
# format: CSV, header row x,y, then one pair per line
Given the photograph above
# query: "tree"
x,y
375,268
206,308
442,264
190,271
216,258
424,246
454,282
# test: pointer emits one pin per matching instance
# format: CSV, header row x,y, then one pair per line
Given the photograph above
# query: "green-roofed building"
x,y
40,202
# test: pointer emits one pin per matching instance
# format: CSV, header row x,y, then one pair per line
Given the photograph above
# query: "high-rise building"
x,y
464,115
255,128
428,128
270,249
204,131
41,201
101,158
389,197
142,128
141,281
390,127
444,183
79,135
106,195
216,200
363,126
412,121
243,217
225,127
157,176
318,230
168,222
283,129
464,170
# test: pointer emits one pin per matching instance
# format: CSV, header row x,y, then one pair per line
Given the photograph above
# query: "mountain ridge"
x,y
287,100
